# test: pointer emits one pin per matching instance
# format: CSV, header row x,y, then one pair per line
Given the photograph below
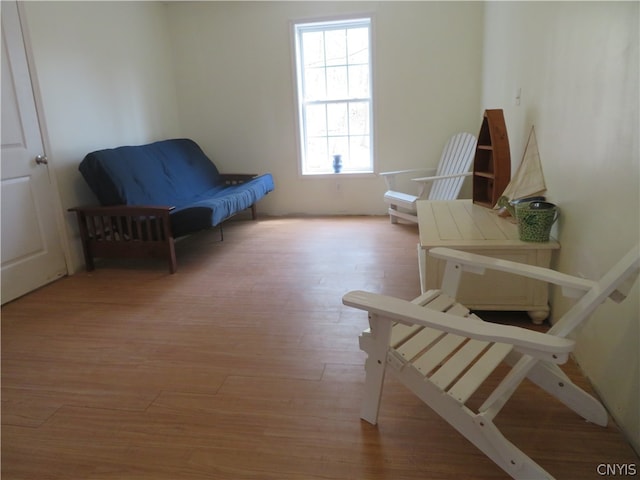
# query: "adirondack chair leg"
x,y
451,278
376,344
552,379
479,429
422,268
505,454
392,215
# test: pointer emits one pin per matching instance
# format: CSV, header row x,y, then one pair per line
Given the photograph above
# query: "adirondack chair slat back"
x,y
457,156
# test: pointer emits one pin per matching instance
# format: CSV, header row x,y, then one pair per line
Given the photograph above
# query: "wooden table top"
x,y
461,223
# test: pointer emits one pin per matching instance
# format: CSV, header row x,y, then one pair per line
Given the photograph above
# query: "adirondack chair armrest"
x,y
390,177
412,171
571,286
537,344
441,177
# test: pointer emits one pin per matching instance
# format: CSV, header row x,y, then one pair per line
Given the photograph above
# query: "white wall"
x,y
577,66
236,91
105,79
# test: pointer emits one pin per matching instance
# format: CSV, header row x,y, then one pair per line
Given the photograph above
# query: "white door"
x,y
31,248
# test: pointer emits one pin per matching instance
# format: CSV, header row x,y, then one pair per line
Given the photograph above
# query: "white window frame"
x,y
302,103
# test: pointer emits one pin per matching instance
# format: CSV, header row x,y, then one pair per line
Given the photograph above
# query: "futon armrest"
x,y
237,178
135,231
537,344
571,286
98,222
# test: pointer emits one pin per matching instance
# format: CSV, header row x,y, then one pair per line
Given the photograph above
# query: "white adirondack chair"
x,y
443,354
444,184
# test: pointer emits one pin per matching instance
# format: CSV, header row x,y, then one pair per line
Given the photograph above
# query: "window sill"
x,y
313,176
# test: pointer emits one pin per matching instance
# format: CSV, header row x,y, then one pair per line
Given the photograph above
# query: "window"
x,y
333,67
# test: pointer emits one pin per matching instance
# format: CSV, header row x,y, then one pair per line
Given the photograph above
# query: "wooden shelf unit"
x,y
492,161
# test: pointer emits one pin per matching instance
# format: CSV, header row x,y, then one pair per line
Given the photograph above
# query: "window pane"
x,y
358,118
313,49
337,87
360,153
316,154
359,81
336,47
358,45
339,146
314,84
316,120
337,119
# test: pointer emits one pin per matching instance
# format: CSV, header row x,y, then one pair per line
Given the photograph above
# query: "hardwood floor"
x,y
245,365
